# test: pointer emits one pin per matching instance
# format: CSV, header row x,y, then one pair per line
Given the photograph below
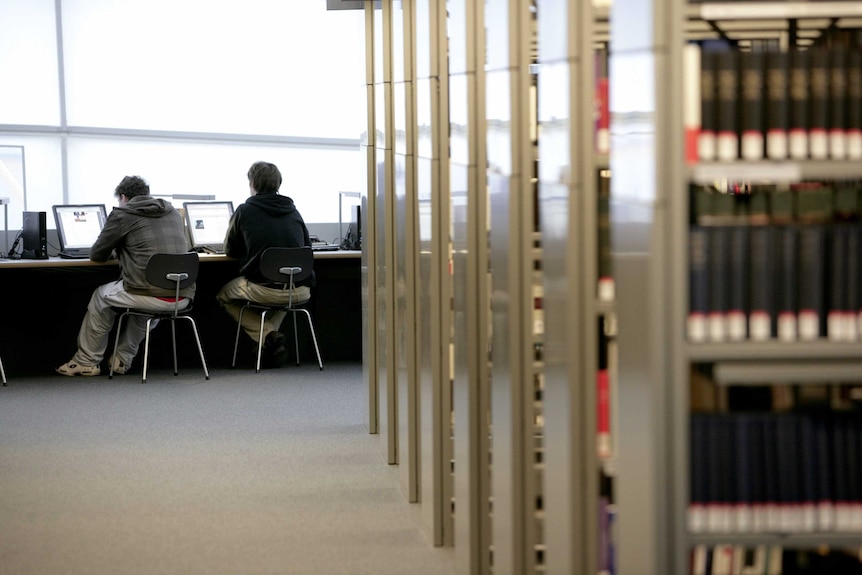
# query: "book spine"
x,y
691,100
818,140
777,110
761,314
699,468
603,399
812,240
852,325
737,313
786,328
706,140
751,91
838,103
727,88
719,282
838,263
854,104
799,107
605,271
824,462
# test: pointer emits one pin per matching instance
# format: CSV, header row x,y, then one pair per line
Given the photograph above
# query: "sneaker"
x,y
119,367
275,352
71,368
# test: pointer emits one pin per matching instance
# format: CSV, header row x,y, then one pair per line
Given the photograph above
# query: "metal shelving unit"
x,y
650,230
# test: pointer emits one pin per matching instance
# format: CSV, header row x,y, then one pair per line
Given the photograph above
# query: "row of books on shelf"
x,y
726,559
798,104
791,472
776,263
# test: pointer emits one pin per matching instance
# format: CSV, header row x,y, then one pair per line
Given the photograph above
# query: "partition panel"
x,y
432,335
367,225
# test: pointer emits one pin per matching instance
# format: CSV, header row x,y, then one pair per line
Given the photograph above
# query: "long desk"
x,y
45,301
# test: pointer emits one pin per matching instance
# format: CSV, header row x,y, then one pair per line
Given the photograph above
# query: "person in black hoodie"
x,y
266,219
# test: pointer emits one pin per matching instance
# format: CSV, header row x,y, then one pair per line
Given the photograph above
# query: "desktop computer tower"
x,y
35,236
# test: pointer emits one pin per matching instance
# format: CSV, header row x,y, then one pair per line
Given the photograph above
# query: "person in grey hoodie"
x,y
266,219
140,227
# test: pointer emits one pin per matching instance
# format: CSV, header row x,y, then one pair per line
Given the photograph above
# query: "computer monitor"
x,y
207,223
79,225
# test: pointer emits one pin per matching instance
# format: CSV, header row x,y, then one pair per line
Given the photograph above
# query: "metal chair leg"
x,y
260,341
116,343
198,341
174,342
238,329
313,336
295,337
3,374
146,350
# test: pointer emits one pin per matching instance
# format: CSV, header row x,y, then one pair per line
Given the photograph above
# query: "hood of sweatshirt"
x,y
147,206
273,204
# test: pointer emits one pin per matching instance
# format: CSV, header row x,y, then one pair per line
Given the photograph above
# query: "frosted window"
x,y
312,177
253,67
43,176
28,63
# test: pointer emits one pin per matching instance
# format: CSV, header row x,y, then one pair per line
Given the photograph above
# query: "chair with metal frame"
x,y
167,271
286,267
3,373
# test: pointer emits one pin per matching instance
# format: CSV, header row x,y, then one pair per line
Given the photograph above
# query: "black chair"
x,y
168,271
285,267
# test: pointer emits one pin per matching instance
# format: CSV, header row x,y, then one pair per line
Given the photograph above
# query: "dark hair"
x,y
264,177
132,186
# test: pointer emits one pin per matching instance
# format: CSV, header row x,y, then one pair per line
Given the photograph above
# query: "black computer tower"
x,y
35,236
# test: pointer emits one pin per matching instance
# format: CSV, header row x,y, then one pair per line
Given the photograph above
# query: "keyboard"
x,y
210,249
75,253
324,247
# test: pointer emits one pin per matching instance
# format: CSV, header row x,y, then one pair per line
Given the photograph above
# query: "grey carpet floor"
x,y
272,473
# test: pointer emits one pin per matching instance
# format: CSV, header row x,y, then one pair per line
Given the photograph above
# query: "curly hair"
x,y
264,177
132,186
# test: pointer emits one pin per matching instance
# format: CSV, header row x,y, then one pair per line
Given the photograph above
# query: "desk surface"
x,y
55,262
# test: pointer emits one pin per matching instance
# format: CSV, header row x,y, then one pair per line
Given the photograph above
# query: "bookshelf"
x,y
651,223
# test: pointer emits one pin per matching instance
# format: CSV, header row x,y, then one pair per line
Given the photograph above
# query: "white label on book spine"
x,y
809,518
798,145
706,146
728,147
809,325
850,331
744,519
697,518
835,326
787,327
736,326
717,327
776,145
759,326
825,516
837,145
854,145
606,289
760,518
696,328
818,143
752,146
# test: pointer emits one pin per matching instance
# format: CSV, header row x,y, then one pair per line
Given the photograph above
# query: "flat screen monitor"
x,y
78,226
207,223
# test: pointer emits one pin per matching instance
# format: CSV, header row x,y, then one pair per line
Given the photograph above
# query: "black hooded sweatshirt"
x,y
264,221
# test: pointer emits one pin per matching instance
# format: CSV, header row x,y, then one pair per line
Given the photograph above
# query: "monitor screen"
x,y
207,222
78,226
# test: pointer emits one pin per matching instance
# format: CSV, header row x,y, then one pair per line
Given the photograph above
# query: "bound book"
x,y
706,139
799,106
777,109
698,265
854,105
838,103
814,208
751,89
727,96
818,71
786,301
761,314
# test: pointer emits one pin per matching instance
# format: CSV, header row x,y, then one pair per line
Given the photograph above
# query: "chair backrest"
x,y
164,270
283,264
